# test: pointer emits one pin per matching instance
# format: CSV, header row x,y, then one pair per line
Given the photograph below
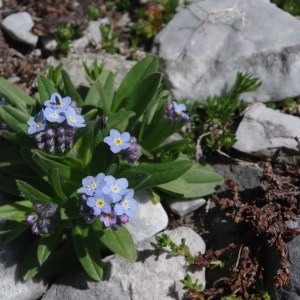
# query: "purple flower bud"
x,y
70,132
102,122
39,137
50,133
31,219
123,219
60,131
133,153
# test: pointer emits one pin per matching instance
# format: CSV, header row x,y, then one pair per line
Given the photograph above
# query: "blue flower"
x,y
56,101
73,119
179,110
115,187
109,219
126,206
117,141
91,184
54,115
99,203
37,123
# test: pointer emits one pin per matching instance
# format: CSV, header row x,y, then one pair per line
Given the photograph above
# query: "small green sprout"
x,y
93,12
109,38
188,284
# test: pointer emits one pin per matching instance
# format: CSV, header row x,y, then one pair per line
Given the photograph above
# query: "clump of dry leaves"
x,y
263,221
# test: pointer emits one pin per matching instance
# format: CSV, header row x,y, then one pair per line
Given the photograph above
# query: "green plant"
x,y
291,6
109,38
71,160
93,11
213,120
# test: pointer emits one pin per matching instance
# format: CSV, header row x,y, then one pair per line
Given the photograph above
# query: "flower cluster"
x,y
175,111
124,144
55,125
108,199
42,221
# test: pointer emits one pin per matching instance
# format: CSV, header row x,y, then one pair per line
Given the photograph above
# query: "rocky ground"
x,y
21,64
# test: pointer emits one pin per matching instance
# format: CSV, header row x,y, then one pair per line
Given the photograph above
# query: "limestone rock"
x,y
19,26
263,131
151,277
205,44
148,219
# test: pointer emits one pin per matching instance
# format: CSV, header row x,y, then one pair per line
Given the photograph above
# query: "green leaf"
x,y
47,244
137,103
61,260
93,98
45,87
30,265
16,119
119,241
87,249
120,119
135,178
57,184
10,230
70,88
163,172
14,95
137,74
199,181
29,192
16,211
84,146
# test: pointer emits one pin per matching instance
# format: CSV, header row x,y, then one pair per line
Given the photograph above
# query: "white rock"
x,y
49,43
183,207
12,286
93,31
18,26
263,131
151,277
203,47
148,219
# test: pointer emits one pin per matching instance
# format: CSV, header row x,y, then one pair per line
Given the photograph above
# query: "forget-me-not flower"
x,y
117,141
54,115
56,101
37,123
73,119
90,184
127,205
100,202
109,220
115,187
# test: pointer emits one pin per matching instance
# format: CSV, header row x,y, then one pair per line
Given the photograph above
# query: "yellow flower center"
x,y
125,204
118,141
73,119
54,115
115,189
92,186
100,202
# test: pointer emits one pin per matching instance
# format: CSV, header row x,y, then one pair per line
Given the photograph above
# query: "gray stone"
x,y
18,26
148,219
93,31
49,43
151,277
263,131
291,291
12,286
203,47
182,207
